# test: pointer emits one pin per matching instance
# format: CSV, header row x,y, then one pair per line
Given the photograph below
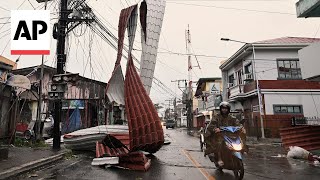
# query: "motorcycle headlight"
x,y
237,147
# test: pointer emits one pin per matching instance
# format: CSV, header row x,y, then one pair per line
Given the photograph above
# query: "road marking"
x,y
198,166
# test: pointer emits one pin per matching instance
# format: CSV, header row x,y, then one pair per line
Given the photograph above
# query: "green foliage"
x,y
21,142
69,155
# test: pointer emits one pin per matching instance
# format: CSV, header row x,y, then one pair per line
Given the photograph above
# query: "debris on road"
x,y
296,152
104,161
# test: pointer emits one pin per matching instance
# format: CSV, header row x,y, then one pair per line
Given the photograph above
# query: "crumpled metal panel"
x,y
145,128
106,151
115,86
135,161
151,18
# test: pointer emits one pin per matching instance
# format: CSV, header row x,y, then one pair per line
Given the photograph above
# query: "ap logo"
x,y
30,33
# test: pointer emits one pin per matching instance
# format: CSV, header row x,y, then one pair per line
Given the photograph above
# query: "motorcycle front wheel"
x,y
239,173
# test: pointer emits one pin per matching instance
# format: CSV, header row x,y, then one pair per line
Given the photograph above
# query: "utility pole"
x,y
170,100
61,79
61,60
189,95
181,80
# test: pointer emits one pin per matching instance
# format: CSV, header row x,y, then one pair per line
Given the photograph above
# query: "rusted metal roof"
x,y
115,86
145,128
289,40
307,137
106,151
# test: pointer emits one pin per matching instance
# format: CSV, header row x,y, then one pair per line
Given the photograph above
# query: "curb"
x,y
15,171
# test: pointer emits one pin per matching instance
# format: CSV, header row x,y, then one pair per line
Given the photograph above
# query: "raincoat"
x,y
214,141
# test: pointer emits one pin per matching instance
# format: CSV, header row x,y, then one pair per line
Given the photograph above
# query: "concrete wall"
x,y
266,64
309,61
310,103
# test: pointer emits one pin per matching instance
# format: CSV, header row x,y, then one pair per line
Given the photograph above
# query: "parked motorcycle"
x,y
47,129
231,151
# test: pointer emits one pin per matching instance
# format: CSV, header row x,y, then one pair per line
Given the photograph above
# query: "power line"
x,y
4,8
230,8
185,54
31,5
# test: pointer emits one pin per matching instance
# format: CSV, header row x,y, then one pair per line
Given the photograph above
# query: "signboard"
x,y
214,88
73,104
30,34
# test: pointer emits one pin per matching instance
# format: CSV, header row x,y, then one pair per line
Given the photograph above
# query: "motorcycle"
x,y
47,129
231,152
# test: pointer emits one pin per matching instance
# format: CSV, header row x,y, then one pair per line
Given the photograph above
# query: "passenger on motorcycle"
x,y
212,139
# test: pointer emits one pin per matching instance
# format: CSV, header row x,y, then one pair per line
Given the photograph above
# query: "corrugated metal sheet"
x,y
105,151
115,87
144,123
307,137
145,130
151,18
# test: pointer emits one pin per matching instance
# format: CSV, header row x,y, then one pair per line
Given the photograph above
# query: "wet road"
x,y
182,159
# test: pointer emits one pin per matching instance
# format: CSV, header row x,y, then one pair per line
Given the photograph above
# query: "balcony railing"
x,y
236,90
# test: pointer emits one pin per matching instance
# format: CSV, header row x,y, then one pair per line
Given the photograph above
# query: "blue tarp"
x,y
73,123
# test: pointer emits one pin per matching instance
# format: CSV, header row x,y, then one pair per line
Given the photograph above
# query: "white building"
x,y
284,93
309,61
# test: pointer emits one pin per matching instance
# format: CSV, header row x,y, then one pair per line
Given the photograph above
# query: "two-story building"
x,y
208,97
273,64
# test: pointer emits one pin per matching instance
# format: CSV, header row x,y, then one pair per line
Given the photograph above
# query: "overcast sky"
x,y
209,20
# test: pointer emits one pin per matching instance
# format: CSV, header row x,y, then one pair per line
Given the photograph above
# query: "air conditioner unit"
x,y
230,85
248,77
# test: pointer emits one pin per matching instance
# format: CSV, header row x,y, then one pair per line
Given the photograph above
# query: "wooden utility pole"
x,y
189,95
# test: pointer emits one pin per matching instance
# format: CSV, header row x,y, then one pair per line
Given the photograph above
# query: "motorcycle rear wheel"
x,y
239,173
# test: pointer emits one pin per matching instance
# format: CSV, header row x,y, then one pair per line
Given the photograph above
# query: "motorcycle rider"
x,y
212,139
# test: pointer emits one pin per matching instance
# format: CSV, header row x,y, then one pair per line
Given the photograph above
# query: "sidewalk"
x,y
24,159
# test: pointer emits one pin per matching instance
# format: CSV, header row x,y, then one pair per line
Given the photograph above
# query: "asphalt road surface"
x,y
182,159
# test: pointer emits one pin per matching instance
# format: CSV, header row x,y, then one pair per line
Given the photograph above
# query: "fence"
x,y
273,124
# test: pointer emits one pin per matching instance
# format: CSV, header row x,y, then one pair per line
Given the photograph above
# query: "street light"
x,y
255,77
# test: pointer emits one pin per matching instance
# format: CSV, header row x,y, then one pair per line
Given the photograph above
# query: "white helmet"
x,y
225,104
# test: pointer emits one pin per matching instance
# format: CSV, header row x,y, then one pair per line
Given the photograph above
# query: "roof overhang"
x,y
308,8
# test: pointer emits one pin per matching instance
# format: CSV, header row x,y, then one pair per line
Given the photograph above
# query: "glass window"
x,y
248,69
287,109
282,75
290,109
277,109
297,109
231,79
283,109
289,69
280,64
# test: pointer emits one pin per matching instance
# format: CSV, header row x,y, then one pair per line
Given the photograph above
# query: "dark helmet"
x,y
225,105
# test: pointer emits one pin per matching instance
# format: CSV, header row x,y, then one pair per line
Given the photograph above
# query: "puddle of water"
x,y
280,156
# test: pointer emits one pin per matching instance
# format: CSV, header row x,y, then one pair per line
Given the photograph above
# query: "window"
x,y
248,69
287,109
231,79
289,69
239,77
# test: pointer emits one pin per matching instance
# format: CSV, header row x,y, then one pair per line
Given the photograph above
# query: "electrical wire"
x,y
231,8
4,8
31,5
